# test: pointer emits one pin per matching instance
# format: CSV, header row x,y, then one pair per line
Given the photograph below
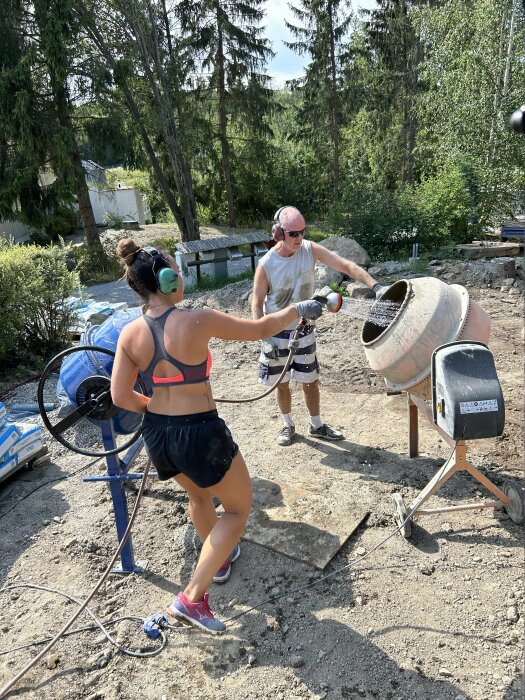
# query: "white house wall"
x,y
15,231
124,203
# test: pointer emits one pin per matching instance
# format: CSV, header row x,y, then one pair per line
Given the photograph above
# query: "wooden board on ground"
x,y
298,523
471,250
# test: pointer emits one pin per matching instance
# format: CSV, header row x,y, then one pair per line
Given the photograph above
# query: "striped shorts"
x,y
304,367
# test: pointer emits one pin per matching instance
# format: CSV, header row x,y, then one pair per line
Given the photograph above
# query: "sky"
x,y
287,64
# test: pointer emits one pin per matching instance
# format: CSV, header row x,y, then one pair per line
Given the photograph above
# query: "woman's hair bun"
x,y
126,249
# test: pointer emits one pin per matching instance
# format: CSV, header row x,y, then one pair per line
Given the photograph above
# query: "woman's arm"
x,y
220,325
123,379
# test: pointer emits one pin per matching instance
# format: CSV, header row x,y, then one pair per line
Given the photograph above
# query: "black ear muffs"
x,y
165,276
277,229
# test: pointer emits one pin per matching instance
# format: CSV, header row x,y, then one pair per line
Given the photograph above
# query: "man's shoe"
x,y
285,436
196,614
325,432
224,573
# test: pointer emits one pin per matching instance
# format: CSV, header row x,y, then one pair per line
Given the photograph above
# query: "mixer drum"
x,y
431,314
79,366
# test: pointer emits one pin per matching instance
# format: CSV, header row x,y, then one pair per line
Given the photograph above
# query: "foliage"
x,y
420,264
447,207
381,221
60,222
96,265
167,243
336,288
208,283
34,284
405,116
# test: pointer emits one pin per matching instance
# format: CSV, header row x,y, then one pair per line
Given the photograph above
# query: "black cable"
x,y
7,687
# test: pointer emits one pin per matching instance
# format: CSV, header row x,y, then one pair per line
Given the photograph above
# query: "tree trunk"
x,y
223,136
84,202
169,126
167,26
334,104
135,113
79,176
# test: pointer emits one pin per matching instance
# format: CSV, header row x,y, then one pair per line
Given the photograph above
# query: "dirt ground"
x,y
437,616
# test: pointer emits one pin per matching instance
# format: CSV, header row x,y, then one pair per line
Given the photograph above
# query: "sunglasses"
x,y
296,234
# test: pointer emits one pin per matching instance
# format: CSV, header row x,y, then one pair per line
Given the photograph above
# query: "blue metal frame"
x,y
117,475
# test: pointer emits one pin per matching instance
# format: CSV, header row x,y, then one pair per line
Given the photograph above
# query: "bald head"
x,y
291,219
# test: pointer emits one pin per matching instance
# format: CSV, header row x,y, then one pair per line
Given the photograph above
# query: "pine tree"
x,y
54,22
321,34
227,43
395,52
36,131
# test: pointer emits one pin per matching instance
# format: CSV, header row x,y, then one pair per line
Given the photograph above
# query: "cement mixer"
x,y
86,420
436,348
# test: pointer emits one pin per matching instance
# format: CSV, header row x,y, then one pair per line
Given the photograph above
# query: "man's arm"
x,y
260,290
336,262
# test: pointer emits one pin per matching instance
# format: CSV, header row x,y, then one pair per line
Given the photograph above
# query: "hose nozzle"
x,y
331,300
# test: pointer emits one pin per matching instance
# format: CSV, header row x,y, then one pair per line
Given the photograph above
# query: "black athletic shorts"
x,y
199,445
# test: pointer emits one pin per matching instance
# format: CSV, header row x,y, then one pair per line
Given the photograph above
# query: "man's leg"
x,y
284,401
312,398
318,429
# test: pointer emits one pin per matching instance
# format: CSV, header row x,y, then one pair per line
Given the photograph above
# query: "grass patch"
x,y
316,233
167,243
421,264
208,283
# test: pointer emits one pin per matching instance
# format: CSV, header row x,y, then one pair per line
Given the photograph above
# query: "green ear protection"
x,y
166,277
168,280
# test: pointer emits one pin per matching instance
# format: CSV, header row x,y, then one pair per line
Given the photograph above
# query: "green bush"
x,y
448,205
380,220
34,283
97,263
61,222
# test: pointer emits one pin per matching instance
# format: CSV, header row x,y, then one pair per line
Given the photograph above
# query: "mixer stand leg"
x,y
457,462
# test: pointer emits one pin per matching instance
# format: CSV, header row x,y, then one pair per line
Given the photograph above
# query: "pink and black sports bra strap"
x,y
187,374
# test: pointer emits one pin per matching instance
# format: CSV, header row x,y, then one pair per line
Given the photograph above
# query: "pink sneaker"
x,y
197,614
224,573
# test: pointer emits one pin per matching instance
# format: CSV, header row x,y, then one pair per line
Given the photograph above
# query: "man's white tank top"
x,y
290,279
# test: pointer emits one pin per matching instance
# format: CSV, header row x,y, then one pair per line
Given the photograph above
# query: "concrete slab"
x,y
498,250
298,523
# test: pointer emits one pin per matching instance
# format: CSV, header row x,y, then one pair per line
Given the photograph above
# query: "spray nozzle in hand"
x,y
331,300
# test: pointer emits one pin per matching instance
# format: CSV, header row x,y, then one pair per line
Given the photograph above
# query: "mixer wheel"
x,y
404,523
77,429
516,511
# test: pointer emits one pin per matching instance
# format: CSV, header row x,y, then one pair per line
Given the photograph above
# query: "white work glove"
x,y
310,309
379,290
269,348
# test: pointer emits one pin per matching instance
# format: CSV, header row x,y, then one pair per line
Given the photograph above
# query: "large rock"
x,y
325,276
347,248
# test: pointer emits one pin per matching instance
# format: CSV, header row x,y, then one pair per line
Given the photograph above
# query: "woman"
x,y
183,435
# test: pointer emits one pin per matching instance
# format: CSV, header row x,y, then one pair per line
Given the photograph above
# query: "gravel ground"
x,y
439,616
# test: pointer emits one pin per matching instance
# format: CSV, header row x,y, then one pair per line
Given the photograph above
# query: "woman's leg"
x,y
201,508
235,493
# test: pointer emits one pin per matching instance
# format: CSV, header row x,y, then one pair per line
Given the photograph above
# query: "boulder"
x,y
325,276
359,291
347,248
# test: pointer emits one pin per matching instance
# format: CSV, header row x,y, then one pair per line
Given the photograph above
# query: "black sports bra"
x,y
188,374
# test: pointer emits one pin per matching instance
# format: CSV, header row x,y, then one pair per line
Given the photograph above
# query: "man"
x,y
285,275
